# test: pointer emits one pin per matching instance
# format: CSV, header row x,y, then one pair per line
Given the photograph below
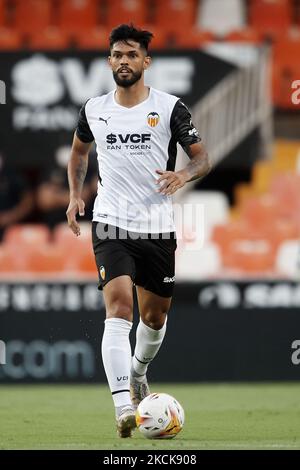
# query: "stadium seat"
x,y
160,36
221,17
27,234
126,11
9,262
78,14
32,15
288,259
10,39
51,38
2,13
250,256
244,36
79,259
285,189
286,69
47,258
260,211
96,38
270,17
63,236
194,39
175,15
193,265
212,209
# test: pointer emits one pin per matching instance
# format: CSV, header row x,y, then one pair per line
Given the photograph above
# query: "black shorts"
x,y
149,259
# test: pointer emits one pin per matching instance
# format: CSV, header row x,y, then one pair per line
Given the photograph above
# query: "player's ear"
x,y
147,62
109,61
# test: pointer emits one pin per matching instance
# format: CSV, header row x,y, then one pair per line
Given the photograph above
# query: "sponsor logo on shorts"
x,y
169,279
102,272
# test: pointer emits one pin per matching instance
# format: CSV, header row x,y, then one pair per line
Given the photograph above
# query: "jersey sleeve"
x,y
182,127
83,130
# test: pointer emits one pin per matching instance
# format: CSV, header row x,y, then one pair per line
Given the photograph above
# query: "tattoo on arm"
x,y
198,166
81,170
77,170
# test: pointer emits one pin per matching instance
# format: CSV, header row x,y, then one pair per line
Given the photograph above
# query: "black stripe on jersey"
x,y
83,130
183,131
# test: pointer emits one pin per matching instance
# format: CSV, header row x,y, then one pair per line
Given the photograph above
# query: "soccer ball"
x,y
160,416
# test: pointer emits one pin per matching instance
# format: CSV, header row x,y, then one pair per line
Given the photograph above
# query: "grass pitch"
x,y
221,416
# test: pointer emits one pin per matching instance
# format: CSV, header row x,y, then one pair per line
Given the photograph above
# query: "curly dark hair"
x,y
127,32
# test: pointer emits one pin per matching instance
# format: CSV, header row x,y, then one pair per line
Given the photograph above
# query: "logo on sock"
x,y
148,358
102,272
125,377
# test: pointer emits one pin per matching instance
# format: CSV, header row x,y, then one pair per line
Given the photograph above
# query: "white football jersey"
x,y
132,143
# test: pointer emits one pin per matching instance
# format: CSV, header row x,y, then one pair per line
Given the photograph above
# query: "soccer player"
x,y
136,129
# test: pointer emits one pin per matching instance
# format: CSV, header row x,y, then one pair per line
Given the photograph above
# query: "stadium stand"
x,y
259,234
51,38
10,39
221,17
271,17
2,13
126,11
71,13
32,15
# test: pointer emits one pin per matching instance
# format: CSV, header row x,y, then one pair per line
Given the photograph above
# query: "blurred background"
x,y
235,63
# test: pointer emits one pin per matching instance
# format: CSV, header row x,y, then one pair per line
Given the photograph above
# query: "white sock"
x,y
116,356
148,342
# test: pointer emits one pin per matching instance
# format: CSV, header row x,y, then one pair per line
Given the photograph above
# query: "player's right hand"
x,y
76,205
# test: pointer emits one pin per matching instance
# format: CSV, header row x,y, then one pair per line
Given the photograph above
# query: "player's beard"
x,y
127,82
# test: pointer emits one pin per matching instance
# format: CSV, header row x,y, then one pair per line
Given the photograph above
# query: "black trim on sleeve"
x,y
182,130
182,127
83,130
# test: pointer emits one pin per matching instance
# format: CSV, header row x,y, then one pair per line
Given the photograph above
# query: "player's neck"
x,y
132,96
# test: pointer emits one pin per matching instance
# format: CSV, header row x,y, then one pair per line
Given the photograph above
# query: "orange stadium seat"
x,y
32,15
172,15
260,211
86,262
63,236
2,12
46,258
78,14
126,11
247,35
250,256
194,38
51,38
9,262
286,69
10,39
96,38
270,17
159,36
27,234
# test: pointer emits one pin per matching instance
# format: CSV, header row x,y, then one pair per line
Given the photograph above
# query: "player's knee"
x,y
120,308
155,321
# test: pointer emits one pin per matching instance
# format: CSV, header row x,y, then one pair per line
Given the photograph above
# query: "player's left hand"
x,y
172,180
